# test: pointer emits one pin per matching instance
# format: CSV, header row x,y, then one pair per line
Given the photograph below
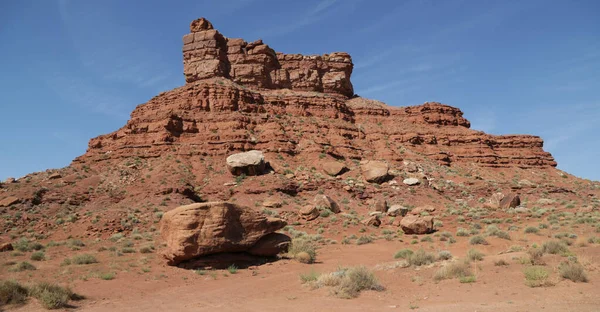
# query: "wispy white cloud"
x,y
114,56
322,6
76,91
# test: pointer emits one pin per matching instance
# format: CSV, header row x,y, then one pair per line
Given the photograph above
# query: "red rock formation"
x,y
241,96
208,54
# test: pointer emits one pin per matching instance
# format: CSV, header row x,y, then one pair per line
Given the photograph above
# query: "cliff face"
x,y
242,96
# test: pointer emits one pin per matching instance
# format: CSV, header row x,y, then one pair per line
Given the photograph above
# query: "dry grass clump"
x,y
12,292
50,296
22,266
421,257
555,247
534,257
302,250
478,240
537,276
460,269
346,282
403,253
573,271
84,259
474,255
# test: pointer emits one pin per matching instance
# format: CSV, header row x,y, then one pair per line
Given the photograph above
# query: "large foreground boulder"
x,y
413,224
208,228
249,163
8,201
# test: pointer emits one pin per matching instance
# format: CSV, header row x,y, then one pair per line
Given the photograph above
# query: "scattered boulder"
x,y
510,201
419,210
374,171
6,247
309,212
414,224
334,168
215,227
324,201
411,181
272,202
270,245
11,200
494,201
372,221
10,180
54,176
381,206
411,167
249,163
397,210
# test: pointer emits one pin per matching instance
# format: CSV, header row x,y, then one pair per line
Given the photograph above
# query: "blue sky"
x,y
72,70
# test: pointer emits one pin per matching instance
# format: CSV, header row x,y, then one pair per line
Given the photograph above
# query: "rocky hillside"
x,y
316,135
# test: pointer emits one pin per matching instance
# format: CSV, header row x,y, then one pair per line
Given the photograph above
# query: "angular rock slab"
x,y
413,224
209,228
249,163
510,201
374,171
324,201
334,168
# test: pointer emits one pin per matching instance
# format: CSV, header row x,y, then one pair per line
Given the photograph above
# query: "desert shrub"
x,y
462,232
354,280
128,250
421,257
116,237
474,255
478,240
427,239
535,256
468,279
84,259
107,276
573,271
536,276
309,277
444,255
12,292
554,247
364,239
51,296
403,253
22,266
75,243
453,270
500,262
38,256
232,269
24,245
302,250
531,230
147,249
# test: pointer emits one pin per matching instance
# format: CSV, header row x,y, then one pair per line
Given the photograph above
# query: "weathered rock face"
x,y
209,228
208,54
243,96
